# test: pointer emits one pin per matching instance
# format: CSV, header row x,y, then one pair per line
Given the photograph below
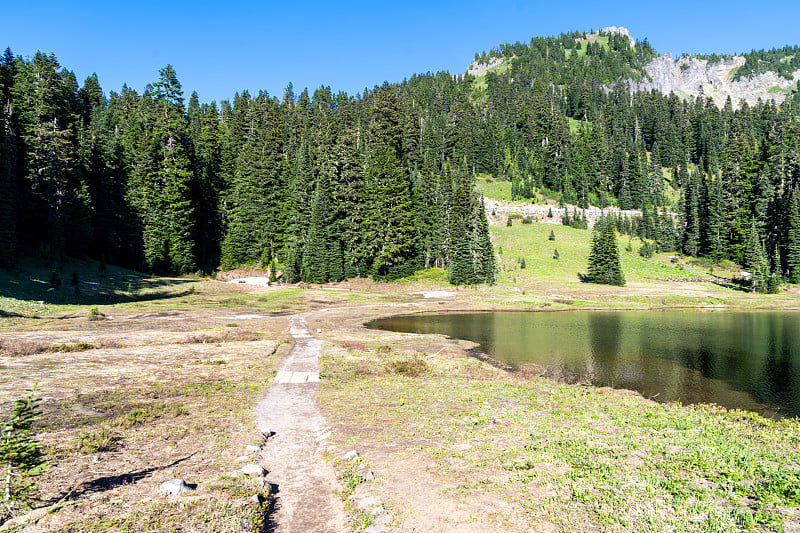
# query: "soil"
x,y
218,364
303,482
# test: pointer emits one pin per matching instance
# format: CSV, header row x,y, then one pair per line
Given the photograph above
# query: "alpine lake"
x,y
747,360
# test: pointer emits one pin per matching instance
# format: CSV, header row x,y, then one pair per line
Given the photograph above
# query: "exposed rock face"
x,y
690,76
617,30
481,69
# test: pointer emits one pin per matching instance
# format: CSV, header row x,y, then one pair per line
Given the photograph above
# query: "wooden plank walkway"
x,y
286,376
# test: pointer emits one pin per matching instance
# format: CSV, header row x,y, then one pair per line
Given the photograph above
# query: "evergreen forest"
x,y
324,186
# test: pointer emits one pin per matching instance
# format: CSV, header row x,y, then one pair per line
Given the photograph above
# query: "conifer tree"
x,y
604,262
20,453
793,237
755,261
165,177
391,229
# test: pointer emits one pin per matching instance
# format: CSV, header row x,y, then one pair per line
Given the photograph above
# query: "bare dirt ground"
x,y
179,390
304,481
164,395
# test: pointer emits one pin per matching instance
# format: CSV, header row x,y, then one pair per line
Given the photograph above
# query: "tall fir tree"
x,y
604,262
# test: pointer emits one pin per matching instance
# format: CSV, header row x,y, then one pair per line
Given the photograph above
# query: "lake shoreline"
x,y
453,442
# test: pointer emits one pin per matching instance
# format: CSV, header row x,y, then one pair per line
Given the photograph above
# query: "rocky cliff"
x,y
690,76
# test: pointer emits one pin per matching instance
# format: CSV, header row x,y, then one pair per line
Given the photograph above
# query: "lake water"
x,y
744,360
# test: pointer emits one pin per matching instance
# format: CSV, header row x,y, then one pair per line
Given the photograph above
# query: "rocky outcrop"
x,y
615,30
481,69
690,77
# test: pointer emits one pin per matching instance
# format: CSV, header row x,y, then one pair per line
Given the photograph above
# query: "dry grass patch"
x,y
117,422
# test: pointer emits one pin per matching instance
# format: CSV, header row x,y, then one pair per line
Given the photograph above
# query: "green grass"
x,y
575,126
574,456
778,89
494,188
603,40
37,288
531,243
429,274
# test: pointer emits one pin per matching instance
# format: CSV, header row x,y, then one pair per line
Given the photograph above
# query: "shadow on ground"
x,y
102,484
83,283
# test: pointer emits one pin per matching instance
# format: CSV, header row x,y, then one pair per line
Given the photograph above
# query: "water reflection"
x,y
745,360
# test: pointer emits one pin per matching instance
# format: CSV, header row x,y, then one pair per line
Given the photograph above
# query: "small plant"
x,y
413,366
74,347
509,222
556,256
646,250
527,220
521,263
103,440
20,454
549,212
552,236
95,314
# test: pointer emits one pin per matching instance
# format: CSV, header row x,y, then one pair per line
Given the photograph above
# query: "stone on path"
x,y
352,455
252,469
287,376
174,487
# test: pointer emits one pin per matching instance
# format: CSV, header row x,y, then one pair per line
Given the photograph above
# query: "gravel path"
x,y
305,500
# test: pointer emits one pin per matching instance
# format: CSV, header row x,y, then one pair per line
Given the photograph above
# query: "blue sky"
x,y
220,48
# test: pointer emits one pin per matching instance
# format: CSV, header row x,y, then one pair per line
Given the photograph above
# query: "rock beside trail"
x,y
352,455
252,469
174,487
366,474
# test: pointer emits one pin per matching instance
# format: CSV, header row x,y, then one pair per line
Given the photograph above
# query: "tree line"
x,y
325,186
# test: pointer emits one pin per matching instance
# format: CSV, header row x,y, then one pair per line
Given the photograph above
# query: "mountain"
x,y
693,76
748,77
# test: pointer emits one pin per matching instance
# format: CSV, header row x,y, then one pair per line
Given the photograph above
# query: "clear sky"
x,y
219,48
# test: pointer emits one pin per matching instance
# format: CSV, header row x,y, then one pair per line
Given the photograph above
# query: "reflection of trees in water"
x,y
739,359
605,337
777,379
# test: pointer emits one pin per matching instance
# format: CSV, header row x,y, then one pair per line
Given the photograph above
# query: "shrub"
x,y
552,236
103,440
646,250
55,280
413,366
95,314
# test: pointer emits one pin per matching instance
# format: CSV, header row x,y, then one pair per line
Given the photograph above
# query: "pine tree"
x,y
164,178
391,228
20,453
793,237
755,261
604,261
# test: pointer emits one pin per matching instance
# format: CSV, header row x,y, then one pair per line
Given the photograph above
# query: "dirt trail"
x,y
305,500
